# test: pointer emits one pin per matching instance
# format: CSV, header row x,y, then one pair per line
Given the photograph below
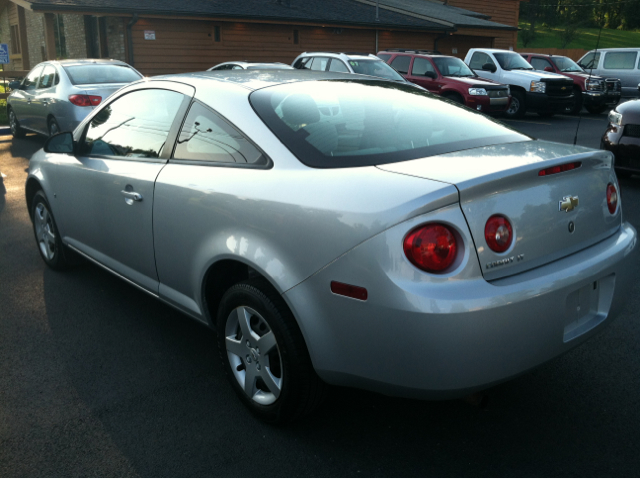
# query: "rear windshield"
x,y
343,123
100,73
375,68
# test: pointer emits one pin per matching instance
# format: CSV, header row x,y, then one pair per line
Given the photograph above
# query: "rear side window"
x,y
48,78
384,57
620,60
135,125
319,63
341,123
206,136
92,73
401,63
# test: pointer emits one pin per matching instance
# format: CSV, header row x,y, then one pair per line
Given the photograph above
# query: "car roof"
x,y
88,61
626,49
348,55
245,63
493,50
256,79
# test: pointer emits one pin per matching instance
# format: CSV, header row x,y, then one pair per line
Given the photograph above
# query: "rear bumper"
x,y
432,339
544,102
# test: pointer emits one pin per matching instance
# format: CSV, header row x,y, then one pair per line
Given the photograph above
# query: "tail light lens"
x,y
85,100
431,247
560,168
498,233
612,198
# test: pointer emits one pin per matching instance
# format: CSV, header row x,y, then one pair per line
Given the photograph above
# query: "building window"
x,y
61,39
216,33
15,40
296,37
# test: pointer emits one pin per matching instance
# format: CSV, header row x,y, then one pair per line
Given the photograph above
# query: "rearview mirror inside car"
x,y
60,143
489,67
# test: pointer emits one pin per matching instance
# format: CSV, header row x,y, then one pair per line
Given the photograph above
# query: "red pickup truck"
x,y
449,77
597,94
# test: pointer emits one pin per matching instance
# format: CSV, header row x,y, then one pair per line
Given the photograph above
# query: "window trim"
x,y
171,137
177,161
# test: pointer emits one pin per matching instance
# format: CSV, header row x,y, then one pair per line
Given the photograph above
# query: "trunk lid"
x,y
104,90
503,179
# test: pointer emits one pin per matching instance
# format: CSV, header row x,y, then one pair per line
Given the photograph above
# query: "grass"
x,y
585,38
4,120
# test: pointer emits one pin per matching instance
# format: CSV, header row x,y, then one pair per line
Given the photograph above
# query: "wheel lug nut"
x,y
248,358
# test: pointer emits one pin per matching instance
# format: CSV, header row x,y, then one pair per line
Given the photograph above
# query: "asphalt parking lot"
x,y
99,379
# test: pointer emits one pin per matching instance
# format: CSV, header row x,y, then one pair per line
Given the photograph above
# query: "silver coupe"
x,y
339,229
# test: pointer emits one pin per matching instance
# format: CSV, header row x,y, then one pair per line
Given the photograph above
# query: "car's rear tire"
x,y
283,385
46,232
518,107
52,126
16,130
596,110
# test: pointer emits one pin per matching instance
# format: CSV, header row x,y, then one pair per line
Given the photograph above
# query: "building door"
x,y
96,36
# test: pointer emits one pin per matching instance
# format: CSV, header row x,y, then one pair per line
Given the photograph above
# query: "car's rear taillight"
x,y
431,247
498,233
612,198
560,168
85,100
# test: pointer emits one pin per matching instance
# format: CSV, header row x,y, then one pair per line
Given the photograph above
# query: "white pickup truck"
x,y
531,90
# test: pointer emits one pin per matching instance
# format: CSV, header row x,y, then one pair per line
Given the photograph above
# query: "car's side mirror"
x,y
431,75
548,69
638,86
14,85
489,67
60,143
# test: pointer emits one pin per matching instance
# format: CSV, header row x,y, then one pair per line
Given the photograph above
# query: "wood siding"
x,y
462,43
417,40
188,45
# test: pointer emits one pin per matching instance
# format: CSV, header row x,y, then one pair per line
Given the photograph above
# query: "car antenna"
x,y
595,53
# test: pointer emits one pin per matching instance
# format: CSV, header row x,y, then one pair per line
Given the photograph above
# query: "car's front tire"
x,y
517,108
16,130
264,353
46,232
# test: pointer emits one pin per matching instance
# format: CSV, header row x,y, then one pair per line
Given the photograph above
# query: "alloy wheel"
x,y
13,122
514,107
45,232
254,355
53,128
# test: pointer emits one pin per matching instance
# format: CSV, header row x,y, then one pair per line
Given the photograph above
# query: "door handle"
x,y
131,195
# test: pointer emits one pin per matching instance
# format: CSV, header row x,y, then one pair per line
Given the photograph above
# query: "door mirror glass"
x,y
489,67
60,143
14,85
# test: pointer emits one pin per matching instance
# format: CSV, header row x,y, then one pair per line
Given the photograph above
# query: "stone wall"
x,y
35,34
116,38
75,36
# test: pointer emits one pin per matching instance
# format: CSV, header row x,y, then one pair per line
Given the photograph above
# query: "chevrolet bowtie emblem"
x,y
568,203
564,87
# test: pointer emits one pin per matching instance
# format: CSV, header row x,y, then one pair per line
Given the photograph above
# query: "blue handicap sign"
x,y
4,53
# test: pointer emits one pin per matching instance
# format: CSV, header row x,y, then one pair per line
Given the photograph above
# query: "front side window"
x,y
512,61
302,63
590,60
338,66
205,136
340,123
421,66
478,59
375,68
91,73
620,60
48,78
453,67
31,81
401,63
539,63
566,64
135,125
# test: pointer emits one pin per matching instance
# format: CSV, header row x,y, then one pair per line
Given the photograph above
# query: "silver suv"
x,y
622,63
362,63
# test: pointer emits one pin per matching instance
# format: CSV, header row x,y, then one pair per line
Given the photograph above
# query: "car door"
x,y
320,63
622,65
104,194
338,65
42,98
21,101
402,64
419,74
478,60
